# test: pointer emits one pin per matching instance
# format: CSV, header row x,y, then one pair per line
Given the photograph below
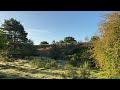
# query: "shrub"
x,y
47,65
73,60
70,74
53,63
73,63
68,66
84,70
1,58
38,63
7,59
43,63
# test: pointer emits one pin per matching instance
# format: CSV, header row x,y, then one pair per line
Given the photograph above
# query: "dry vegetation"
x,y
22,69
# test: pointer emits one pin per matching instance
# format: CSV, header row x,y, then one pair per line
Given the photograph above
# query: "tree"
x,y
15,30
4,45
30,42
53,42
16,35
28,49
44,42
69,39
55,52
94,38
106,49
86,39
61,41
3,40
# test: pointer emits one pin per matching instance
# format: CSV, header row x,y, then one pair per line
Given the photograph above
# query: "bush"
x,y
68,66
28,58
70,74
7,59
73,59
47,65
38,63
1,58
43,63
53,63
106,49
74,63
84,70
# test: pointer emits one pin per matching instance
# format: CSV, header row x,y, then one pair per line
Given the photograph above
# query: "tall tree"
x,y
16,34
107,49
4,44
3,40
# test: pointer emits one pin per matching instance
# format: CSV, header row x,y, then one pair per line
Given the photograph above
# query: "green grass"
x,y
22,69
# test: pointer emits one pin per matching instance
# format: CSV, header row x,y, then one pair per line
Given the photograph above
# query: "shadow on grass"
x,y
36,71
27,70
7,75
10,76
50,73
7,67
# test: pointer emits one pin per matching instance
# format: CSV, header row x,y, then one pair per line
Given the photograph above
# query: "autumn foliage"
x,y
107,48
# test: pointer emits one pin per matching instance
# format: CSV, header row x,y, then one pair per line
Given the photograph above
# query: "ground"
x,y
21,69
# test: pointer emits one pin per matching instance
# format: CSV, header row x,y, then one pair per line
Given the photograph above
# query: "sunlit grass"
x,y
22,69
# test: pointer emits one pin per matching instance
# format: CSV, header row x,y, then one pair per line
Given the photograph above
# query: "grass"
x,y
21,69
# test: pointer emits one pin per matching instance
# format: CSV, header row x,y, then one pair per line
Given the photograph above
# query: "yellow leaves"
x,y
107,49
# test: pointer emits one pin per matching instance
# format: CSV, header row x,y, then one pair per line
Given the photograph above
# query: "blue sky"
x,y
55,25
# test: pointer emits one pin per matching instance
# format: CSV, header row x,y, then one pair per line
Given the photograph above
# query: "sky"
x,y
56,25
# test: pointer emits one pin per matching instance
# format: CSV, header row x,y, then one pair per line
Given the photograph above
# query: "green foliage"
x,y
84,70
73,63
4,44
53,63
69,39
28,49
1,58
13,40
40,63
55,52
3,40
70,74
44,42
73,59
48,65
15,37
94,38
68,66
